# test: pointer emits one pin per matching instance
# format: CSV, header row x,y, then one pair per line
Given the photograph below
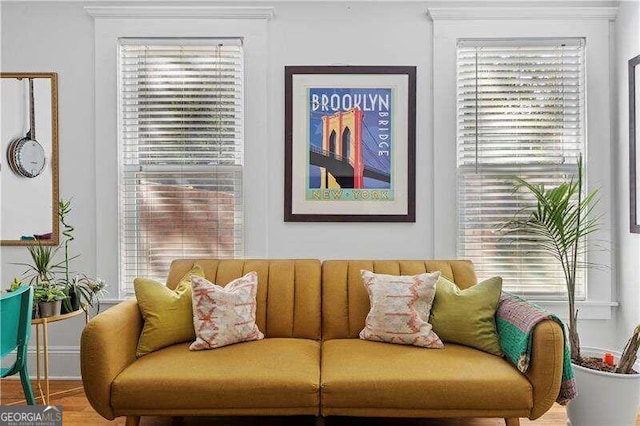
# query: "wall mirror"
x,y
28,159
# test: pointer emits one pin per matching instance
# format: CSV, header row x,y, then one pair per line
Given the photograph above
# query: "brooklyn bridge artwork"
x,y
350,144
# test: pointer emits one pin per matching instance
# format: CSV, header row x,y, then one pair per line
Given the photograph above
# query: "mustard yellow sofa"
x,y
311,361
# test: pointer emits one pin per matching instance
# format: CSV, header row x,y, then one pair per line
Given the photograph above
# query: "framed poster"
x,y
634,143
350,143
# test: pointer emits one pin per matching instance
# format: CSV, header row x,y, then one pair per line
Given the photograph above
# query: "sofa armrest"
x,y
108,346
545,366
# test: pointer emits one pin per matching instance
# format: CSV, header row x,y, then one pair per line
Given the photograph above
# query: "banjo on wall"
x,y
25,155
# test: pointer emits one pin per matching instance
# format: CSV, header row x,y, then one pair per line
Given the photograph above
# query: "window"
x,y
520,112
180,153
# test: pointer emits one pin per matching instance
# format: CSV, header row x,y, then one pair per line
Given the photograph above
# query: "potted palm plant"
x,y
559,221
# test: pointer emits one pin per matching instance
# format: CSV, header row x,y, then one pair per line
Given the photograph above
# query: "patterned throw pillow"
x,y
224,315
400,307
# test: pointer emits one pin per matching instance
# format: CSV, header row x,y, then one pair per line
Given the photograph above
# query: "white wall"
x,y
59,37
350,34
331,33
627,46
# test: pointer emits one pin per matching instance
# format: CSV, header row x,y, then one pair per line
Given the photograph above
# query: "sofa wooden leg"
x,y
132,421
513,421
319,421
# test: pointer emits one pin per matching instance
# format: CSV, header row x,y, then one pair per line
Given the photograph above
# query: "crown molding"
x,y
479,13
191,12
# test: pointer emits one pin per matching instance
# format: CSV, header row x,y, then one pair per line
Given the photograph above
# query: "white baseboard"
x,y
17,377
57,350
64,362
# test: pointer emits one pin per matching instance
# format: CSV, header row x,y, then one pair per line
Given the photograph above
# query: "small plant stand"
x,y
44,323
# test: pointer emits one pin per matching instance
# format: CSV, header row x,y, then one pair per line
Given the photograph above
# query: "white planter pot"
x,y
604,398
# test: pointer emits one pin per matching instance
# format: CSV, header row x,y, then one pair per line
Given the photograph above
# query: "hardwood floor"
x,y
77,412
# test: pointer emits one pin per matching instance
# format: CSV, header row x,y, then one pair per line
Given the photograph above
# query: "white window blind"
x,y
181,153
520,112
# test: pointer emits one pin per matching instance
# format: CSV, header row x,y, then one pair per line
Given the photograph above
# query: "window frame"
x,y
249,24
450,25
126,261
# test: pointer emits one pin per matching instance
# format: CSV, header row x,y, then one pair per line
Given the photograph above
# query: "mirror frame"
x,y
634,146
55,239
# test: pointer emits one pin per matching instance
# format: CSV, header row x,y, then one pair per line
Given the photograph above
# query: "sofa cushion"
x,y
400,306
360,374
167,313
345,303
268,373
288,299
224,315
468,316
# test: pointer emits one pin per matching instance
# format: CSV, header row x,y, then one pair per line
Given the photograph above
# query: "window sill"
x,y
588,310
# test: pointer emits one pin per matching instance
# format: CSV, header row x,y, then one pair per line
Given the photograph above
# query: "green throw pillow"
x,y
168,314
467,316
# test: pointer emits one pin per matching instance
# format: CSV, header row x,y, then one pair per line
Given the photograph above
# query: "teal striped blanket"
x,y
515,320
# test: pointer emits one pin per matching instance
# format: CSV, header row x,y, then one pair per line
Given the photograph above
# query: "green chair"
x,y
15,328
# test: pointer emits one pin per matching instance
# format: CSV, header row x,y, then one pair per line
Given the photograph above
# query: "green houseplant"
x,y
72,302
42,276
559,222
89,290
44,267
49,298
81,290
16,284
52,278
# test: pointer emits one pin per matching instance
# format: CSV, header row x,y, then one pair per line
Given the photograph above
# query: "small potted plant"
x,y
90,291
49,298
15,285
